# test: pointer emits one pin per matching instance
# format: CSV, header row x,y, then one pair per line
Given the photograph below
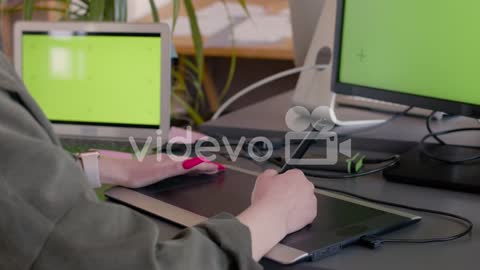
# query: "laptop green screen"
x,y
94,78
429,48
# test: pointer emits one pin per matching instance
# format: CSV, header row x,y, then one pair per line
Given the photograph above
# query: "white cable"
x,y
258,84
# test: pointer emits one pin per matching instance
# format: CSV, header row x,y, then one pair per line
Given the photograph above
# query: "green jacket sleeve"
x,y
51,219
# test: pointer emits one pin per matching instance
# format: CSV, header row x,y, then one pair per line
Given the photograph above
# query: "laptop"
x,y
98,83
341,222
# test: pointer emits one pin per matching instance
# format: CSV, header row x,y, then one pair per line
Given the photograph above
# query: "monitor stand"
x,y
327,113
330,114
417,169
314,87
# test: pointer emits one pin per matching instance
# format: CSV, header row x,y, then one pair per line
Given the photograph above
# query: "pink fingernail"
x,y
191,163
220,166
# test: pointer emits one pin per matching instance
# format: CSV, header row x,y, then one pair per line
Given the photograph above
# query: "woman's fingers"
x,y
207,168
270,173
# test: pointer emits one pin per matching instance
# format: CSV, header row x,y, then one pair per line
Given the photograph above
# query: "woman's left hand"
x,y
132,173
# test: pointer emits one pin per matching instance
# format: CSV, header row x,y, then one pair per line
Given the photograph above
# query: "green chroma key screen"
x,y
104,78
428,48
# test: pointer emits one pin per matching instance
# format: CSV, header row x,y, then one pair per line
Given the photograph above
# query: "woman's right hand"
x,y
281,204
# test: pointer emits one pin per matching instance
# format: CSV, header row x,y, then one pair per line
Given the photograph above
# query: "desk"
x,y
460,254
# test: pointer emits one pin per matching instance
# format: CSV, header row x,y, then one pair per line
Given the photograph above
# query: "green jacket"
x,y
51,219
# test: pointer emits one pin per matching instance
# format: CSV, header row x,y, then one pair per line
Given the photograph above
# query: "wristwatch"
x,y
90,165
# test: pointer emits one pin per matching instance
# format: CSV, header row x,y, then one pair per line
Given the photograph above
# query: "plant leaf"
x,y
28,6
176,12
180,84
196,117
233,59
190,65
109,10
154,10
192,71
196,37
231,74
96,10
243,3
67,9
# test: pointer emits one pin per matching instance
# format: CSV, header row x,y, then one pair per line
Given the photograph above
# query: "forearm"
x,y
117,238
134,174
266,227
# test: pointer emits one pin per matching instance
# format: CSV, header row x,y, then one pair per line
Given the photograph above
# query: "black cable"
x,y
430,130
388,121
380,160
468,224
392,161
279,161
446,160
312,173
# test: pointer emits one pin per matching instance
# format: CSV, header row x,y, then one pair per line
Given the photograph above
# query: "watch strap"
x,y
91,168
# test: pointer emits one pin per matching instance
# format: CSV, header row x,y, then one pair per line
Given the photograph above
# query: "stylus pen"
x,y
301,150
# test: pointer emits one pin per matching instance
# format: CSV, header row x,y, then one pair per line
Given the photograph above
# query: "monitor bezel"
x,y
105,130
432,103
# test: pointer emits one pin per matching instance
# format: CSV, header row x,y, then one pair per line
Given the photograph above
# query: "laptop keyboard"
x,y
73,145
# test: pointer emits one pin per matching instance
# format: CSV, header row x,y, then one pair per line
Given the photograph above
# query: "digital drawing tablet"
x,y
190,200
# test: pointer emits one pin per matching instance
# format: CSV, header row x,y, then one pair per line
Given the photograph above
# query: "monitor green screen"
x,y
429,48
94,78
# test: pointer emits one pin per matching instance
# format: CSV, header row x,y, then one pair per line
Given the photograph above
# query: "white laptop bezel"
x,y
105,131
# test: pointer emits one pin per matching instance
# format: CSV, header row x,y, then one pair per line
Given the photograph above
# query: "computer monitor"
x,y
416,53
98,79
313,26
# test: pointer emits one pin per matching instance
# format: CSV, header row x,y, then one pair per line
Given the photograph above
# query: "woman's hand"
x,y
281,204
135,174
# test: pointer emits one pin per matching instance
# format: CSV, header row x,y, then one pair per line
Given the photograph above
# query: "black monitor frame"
x,y
436,104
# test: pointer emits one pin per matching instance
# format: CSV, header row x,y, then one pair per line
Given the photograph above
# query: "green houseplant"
x,y
188,88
